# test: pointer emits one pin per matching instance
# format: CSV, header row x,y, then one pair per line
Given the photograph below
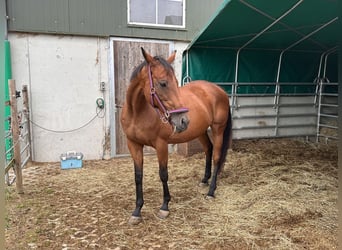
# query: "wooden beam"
x,y
26,109
15,134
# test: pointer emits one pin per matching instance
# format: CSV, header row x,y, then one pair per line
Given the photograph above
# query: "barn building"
x,y
277,61
77,55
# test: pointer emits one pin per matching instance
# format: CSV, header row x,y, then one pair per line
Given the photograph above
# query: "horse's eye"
x,y
163,84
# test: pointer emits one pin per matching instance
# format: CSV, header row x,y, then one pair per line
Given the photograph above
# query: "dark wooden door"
x,y
127,56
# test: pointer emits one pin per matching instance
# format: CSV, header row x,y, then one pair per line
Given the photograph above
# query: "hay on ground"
x,y
272,194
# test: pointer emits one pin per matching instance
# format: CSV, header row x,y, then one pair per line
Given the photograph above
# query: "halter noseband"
x,y
165,114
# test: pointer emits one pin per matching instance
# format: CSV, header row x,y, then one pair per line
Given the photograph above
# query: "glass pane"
x,y
143,11
170,12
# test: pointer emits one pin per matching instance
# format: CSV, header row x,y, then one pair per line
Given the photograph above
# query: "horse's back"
x,y
208,104
210,94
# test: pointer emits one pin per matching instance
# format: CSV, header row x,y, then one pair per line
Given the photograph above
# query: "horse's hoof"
x,y
163,214
210,197
203,184
134,220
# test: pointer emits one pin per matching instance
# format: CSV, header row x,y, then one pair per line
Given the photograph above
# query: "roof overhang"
x,y
302,25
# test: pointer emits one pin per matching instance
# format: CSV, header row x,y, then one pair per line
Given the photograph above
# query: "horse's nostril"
x,y
184,121
180,122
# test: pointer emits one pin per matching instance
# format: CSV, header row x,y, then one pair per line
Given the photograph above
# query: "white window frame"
x,y
156,21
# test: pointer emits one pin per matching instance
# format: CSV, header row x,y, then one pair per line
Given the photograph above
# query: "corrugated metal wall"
x,y
100,18
38,15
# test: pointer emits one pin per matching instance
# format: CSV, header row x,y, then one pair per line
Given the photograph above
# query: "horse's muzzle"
x,y
180,121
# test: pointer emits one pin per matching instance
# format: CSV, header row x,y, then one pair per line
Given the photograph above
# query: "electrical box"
x,y
102,86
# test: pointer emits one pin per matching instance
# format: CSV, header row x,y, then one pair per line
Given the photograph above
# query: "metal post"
x,y
276,106
319,108
317,80
326,61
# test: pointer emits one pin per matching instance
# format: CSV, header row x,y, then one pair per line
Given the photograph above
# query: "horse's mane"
x,y
162,61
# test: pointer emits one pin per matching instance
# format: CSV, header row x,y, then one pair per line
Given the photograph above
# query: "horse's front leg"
x,y
162,153
136,151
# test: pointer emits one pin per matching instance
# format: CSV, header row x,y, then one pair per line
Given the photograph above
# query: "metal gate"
x,y
327,95
327,118
280,112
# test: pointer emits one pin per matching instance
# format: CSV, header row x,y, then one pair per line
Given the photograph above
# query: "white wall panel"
x,y
63,74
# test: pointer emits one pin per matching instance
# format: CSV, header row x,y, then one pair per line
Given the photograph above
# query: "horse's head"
x,y
161,90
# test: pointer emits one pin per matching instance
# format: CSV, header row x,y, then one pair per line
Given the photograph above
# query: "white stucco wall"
x,y
63,74
180,47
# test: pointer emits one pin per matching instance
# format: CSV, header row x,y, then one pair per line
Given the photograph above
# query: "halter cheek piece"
x,y
164,114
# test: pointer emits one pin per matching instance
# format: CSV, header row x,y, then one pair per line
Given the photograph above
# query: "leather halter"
x,y
164,113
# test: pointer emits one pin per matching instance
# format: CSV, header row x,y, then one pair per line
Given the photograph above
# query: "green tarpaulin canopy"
x,y
258,41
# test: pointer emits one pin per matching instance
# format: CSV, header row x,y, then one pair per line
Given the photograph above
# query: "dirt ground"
x,y
272,194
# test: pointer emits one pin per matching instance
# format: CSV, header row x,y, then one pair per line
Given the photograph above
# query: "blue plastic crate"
x,y
71,159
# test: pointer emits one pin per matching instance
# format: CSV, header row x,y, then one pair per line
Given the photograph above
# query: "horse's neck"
x,y
135,98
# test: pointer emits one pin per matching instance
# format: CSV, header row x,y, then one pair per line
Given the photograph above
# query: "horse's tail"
x,y
227,134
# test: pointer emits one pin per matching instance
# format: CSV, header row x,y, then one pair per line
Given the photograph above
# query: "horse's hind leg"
x,y
221,140
208,150
217,146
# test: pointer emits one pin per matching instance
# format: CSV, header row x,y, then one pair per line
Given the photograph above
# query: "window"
x,y
160,13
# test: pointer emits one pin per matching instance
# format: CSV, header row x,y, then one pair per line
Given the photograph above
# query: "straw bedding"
x,y
272,194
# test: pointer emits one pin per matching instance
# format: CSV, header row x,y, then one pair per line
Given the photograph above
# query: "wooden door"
x,y
127,56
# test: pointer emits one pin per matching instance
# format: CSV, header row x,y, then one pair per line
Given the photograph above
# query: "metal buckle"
x,y
164,119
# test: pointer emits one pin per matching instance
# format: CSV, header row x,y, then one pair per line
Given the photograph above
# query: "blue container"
x,y
71,159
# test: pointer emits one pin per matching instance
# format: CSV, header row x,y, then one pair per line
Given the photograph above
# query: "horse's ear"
x,y
172,57
147,56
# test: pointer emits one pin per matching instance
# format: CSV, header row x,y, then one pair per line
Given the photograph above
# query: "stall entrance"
x,y
126,56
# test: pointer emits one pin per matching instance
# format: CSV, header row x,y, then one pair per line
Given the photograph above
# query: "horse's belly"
x,y
193,131
180,138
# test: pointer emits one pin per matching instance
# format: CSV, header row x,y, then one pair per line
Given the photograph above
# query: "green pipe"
x,y
8,75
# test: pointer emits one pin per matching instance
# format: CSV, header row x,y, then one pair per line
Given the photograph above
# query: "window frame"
x,y
156,25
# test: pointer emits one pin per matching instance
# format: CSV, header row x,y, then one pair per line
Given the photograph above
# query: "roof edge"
x,y
219,10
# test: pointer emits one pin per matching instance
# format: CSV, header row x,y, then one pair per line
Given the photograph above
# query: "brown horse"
x,y
157,112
